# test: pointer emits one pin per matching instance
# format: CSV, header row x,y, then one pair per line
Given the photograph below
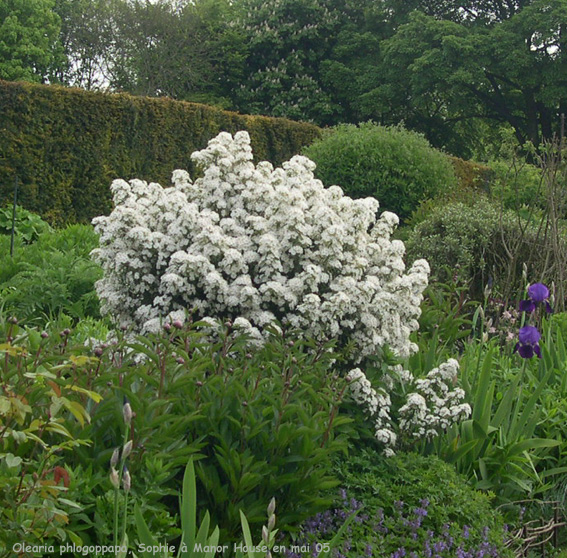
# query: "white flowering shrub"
x,y
252,243
432,404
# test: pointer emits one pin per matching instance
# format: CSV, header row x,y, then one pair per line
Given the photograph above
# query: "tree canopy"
x,y
455,71
29,40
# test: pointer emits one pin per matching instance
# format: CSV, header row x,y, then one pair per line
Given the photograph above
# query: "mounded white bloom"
x,y
258,243
434,404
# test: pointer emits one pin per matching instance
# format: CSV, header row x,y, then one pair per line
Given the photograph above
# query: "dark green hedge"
x,y
67,145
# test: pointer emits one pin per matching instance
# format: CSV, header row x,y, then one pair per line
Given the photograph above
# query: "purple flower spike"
x,y
538,292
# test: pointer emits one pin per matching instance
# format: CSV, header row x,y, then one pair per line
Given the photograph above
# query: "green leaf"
x,y
144,533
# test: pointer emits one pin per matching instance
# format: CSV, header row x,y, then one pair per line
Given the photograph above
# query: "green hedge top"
x,y
67,145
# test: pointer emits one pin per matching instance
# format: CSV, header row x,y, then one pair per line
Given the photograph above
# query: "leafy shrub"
x,y
260,422
481,245
53,274
257,244
516,184
39,403
397,167
411,506
27,225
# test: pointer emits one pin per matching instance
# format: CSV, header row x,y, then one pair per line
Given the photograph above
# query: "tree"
x,y
29,40
498,61
87,33
146,48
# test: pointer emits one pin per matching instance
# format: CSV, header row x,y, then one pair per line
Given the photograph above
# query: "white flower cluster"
x,y
258,244
434,405
376,403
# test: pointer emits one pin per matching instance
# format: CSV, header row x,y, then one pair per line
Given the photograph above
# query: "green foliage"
x,y
29,32
449,69
262,422
396,166
499,446
480,243
27,225
516,184
67,145
386,486
39,402
53,274
514,443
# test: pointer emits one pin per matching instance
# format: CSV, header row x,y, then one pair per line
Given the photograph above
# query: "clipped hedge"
x,y
67,145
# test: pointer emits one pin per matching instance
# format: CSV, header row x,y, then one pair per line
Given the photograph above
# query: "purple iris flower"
x,y
529,342
537,293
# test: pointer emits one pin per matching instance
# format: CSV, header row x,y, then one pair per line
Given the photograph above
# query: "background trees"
x,y
455,71
29,40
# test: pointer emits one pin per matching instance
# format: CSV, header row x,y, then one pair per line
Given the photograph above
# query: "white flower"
x,y
258,243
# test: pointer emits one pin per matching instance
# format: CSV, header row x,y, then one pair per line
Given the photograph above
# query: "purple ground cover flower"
x,y
528,345
538,293
402,532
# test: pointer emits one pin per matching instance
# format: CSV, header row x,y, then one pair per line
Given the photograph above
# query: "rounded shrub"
x,y
394,165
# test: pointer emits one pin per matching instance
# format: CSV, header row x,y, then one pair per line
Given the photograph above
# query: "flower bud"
x,y
126,480
167,327
127,450
272,506
44,335
272,522
180,360
178,324
127,413
114,478
265,534
114,458
98,351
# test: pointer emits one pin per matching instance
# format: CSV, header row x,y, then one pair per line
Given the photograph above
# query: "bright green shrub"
x,y
52,275
396,166
516,184
67,145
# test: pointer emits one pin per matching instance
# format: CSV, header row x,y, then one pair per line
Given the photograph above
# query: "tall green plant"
x,y
499,446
